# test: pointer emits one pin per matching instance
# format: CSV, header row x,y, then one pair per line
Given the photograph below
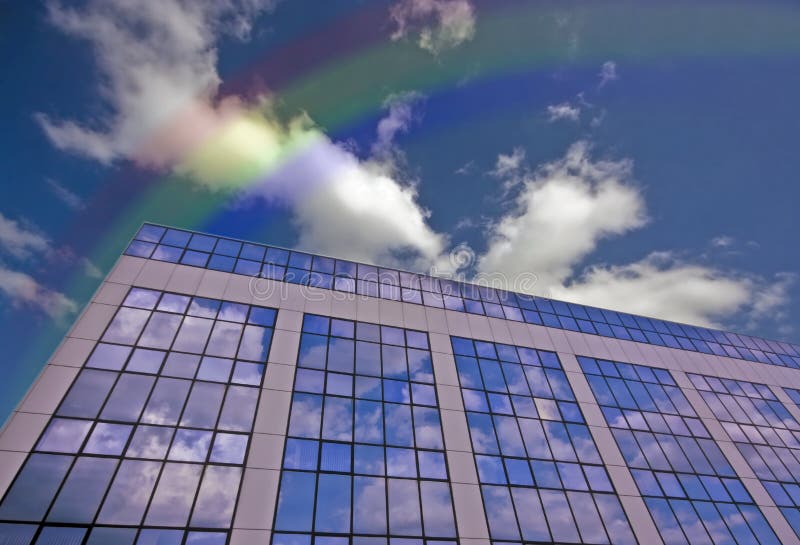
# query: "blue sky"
x,y
633,156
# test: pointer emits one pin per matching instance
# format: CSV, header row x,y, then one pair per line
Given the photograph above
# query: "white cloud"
x,y
770,302
65,195
157,65
441,24
354,209
662,286
23,291
560,214
565,110
567,206
21,241
723,241
402,113
509,164
608,72
466,168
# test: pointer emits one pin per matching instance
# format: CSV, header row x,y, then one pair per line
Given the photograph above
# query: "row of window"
x,y
24,534
154,242
131,398
72,436
109,491
548,516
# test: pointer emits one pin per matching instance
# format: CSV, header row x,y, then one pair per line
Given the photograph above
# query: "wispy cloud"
x,y
565,110
403,111
439,24
563,210
22,290
508,164
157,62
608,73
66,196
723,241
21,241
466,168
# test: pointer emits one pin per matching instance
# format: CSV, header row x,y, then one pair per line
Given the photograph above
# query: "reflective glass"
x,y
356,389
536,459
149,428
657,429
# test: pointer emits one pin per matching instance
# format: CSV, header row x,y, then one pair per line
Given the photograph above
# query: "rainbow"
x,y
323,69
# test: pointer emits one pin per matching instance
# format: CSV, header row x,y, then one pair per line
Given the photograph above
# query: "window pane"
x,y
34,487
369,505
562,525
217,496
437,509
333,504
129,493
126,326
83,490
174,495
255,342
337,419
500,512
239,409
53,535
190,445
150,442
203,405
127,399
166,402
108,439
224,339
87,394
64,435
111,536
109,356
160,330
306,416
404,512
532,523
193,335
295,497
229,448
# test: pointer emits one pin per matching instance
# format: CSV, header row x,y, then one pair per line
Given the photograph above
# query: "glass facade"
x,y
689,486
541,476
764,432
195,415
364,444
148,444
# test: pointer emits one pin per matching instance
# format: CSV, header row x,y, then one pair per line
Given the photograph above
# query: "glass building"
x,y
220,392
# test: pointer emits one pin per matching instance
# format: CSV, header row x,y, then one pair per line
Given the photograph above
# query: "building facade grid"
x,y
450,475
